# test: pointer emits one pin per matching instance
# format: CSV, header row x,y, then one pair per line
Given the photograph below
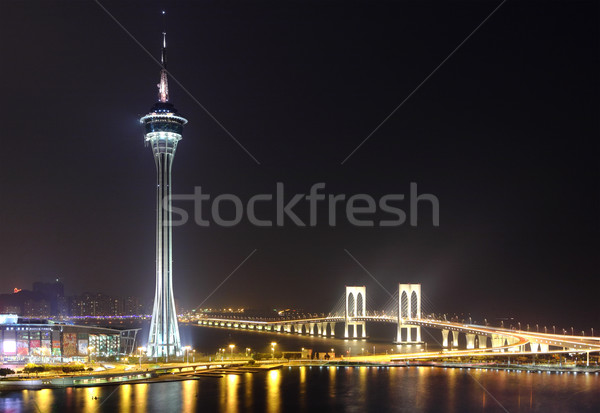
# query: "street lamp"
x,y
231,346
273,344
248,349
333,352
140,349
193,356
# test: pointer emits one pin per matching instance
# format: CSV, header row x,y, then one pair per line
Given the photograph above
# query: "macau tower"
x,y
163,129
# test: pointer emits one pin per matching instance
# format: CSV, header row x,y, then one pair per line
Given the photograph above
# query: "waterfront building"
x,y
42,340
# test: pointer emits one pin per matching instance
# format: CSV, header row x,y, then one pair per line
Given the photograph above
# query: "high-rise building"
x,y
51,292
163,129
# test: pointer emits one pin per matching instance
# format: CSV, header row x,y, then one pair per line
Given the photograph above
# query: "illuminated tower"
x,y
162,130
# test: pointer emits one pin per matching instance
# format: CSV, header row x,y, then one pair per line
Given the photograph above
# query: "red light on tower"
x,y
16,290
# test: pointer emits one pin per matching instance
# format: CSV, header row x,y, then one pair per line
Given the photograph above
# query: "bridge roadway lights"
x,y
539,347
454,338
482,341
498,341
470,340
445,338
322,329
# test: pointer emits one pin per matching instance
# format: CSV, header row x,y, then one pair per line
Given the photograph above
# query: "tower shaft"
x,y
164,337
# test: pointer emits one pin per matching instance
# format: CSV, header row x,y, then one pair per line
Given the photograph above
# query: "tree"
x,y
5,372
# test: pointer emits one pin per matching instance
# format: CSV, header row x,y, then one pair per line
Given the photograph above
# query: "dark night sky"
x,y
505,134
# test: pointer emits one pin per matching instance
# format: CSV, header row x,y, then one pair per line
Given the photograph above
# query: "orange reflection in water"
x,y
248,377
452,374
41,399
140,397
232,397
189,393
273,391
91,399
125,399
332,374
303,387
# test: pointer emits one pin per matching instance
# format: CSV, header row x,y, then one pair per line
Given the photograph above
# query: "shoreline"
x,y
197,372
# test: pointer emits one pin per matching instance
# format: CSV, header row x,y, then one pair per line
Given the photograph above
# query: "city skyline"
x,y
504,134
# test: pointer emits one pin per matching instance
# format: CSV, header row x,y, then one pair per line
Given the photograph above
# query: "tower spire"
x,y
163,86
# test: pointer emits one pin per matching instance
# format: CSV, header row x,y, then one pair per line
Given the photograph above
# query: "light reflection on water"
x,y
248,382
230,391
419,389
125,398
189,396
274,391
302,391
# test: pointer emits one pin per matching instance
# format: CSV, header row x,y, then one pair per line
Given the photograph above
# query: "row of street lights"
x,y
187,349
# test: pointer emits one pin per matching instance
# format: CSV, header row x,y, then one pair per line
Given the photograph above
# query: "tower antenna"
x,y
163,86
163,55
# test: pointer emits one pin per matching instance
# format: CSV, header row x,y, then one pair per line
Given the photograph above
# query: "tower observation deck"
x,y
163,129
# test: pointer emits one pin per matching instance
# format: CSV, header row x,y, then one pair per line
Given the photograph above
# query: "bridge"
x,y
406,313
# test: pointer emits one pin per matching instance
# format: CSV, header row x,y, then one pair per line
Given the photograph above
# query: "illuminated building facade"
x,y
40,340
163,129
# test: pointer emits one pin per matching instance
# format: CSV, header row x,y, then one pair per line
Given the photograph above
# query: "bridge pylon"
x,y
409,308
356,300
